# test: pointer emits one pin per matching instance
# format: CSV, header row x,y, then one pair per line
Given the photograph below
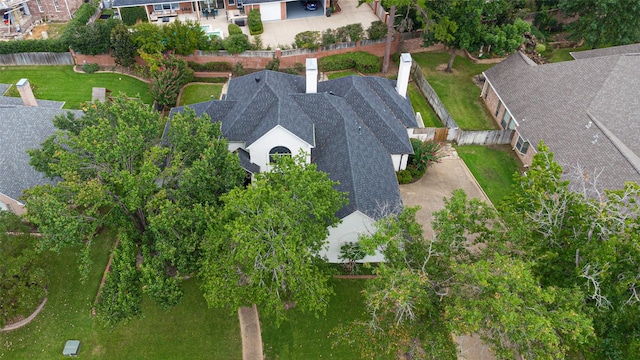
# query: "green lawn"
x,y
340,74
563,54
61,83
196,93
187,331
308,337
421,105
457,91
492,166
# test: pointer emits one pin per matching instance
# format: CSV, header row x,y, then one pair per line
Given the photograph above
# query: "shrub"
x,y
273,65
361,61
255,22
540,48
354,31
404,176
172,74
237,43
213,80
131,15
123,49
377,30
234,29
328,37
184,37
90,68
425,154
308,39
213,66
238,69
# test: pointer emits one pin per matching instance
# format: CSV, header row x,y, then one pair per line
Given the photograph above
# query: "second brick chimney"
x,y
24,88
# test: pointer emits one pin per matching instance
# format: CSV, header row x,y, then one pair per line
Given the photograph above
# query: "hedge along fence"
x,y
260,59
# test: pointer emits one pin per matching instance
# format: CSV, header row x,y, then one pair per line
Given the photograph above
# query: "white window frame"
x,y
521,145
56,5
40,7
506,119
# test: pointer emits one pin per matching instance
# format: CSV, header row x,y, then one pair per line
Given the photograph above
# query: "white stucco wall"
x,y
278,136
233,146
348,231
399,161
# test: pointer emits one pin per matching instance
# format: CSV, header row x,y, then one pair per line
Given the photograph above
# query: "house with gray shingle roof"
x,y
25,123
356,129
586,110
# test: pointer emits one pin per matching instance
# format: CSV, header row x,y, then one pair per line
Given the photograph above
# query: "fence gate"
x,y
441,134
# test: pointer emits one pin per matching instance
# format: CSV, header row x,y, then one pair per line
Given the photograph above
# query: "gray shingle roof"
x,y
554,102
353,124
616,50
23,128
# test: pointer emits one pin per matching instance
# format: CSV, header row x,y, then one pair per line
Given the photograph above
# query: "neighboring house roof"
x,y
616,50
587,111
23,128
354,124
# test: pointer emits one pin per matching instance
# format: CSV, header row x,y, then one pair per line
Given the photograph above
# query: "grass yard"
x,y
560,55
421,105
187,331
196,93
457,91
492,166
339,74
307,337
61,83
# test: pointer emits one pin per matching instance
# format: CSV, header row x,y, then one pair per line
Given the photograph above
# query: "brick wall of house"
x,y
491,100
49,12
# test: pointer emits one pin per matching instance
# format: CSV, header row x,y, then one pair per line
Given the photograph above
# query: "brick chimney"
x,y
312,76
403,74
24,88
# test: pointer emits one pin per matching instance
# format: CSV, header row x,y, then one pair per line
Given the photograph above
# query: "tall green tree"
x,y
603,22
123,48
263,248
465,280
124,166
171,75
184,37
586,238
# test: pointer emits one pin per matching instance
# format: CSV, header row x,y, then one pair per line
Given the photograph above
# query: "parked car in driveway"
x,y
311,5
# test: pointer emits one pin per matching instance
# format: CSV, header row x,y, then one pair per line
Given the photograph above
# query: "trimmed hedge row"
x,y
213,66
363,62
23,46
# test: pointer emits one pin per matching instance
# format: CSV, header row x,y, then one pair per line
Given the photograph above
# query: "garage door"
x,y
270,11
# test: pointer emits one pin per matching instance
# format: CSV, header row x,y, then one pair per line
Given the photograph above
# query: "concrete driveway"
x,y
283,32
439,182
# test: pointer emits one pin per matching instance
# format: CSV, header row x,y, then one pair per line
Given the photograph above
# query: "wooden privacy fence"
x,y
431,96
464,137
36,58
451,131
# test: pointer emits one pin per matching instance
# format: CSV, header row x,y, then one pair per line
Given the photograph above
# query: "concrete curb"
x,y
24,322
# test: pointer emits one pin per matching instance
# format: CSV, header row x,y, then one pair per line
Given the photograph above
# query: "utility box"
x,y
71,348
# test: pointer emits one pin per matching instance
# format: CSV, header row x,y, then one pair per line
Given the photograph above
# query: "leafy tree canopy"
x,y
603,22
124,166
264,246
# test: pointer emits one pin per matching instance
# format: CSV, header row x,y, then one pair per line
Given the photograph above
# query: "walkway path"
x,y
250,332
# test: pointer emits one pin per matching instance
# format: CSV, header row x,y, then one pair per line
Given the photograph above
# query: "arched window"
x,y
278,151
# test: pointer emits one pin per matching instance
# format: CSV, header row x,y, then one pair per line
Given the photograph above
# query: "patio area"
x,y
282,32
